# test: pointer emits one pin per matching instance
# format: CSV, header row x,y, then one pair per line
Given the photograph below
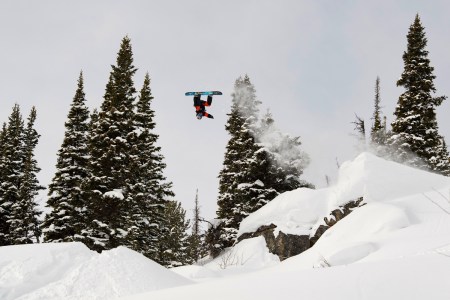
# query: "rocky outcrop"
x,y
283,245
335,216
287,245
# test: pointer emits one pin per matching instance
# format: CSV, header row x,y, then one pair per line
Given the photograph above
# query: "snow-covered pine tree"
x,y
287,160
2,142
174,239
107,188
377,132
241,189
13,153
68,215
442,159
360,129
25,224
150,190
415,129
3,215
18,210
196,249
196,222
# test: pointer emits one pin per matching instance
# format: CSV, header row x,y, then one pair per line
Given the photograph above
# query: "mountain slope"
x,y
397,246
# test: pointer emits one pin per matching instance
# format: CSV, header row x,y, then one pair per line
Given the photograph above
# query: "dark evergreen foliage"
x,y
360,127
214,242
286,160
149,188
13,152
125,189
174,243
197,248
238,184
68,215
19,222
25,225
378,130
4,206
108,184
415,129
255,169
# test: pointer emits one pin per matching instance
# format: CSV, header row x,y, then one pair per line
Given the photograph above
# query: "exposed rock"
x,y
284,245
335,216
321,230
287,245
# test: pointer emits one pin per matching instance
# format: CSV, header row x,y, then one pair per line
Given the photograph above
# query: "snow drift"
x,y
368,176
72,271
397,246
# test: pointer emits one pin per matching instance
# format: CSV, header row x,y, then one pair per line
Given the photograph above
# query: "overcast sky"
x,y
313,64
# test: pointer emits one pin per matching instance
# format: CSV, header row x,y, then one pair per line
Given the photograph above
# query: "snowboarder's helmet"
x,y
199,116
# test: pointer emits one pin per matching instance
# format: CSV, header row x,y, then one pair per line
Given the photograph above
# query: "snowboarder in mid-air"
x,y
199,105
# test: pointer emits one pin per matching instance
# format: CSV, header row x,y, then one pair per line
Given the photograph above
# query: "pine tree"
x,y
3,141
13,153
238,185
287,160
197,248
11,172
378,130
109,183
415,128
360,127
150,189
174,240
25,224
67,218
19,222
2,144
442,159
260,163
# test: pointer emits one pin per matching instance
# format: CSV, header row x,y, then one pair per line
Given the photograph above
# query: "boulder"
x,y
288,245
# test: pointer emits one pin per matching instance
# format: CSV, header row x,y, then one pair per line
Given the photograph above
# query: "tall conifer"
x,y
25,224
260,162
149,188
378,131
108,185
415,128
173,247
19,214
13,153
68,215
237,184
197,248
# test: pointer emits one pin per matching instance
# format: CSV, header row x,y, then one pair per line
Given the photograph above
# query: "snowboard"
x,y
203,93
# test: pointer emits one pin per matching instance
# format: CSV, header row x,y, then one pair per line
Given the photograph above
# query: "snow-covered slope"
x,y
72,271
397,246
368,176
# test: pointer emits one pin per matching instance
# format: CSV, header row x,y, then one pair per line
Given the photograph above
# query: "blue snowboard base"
x,y
203,93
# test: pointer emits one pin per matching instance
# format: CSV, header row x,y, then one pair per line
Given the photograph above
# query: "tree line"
x,y
109,188
414,137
